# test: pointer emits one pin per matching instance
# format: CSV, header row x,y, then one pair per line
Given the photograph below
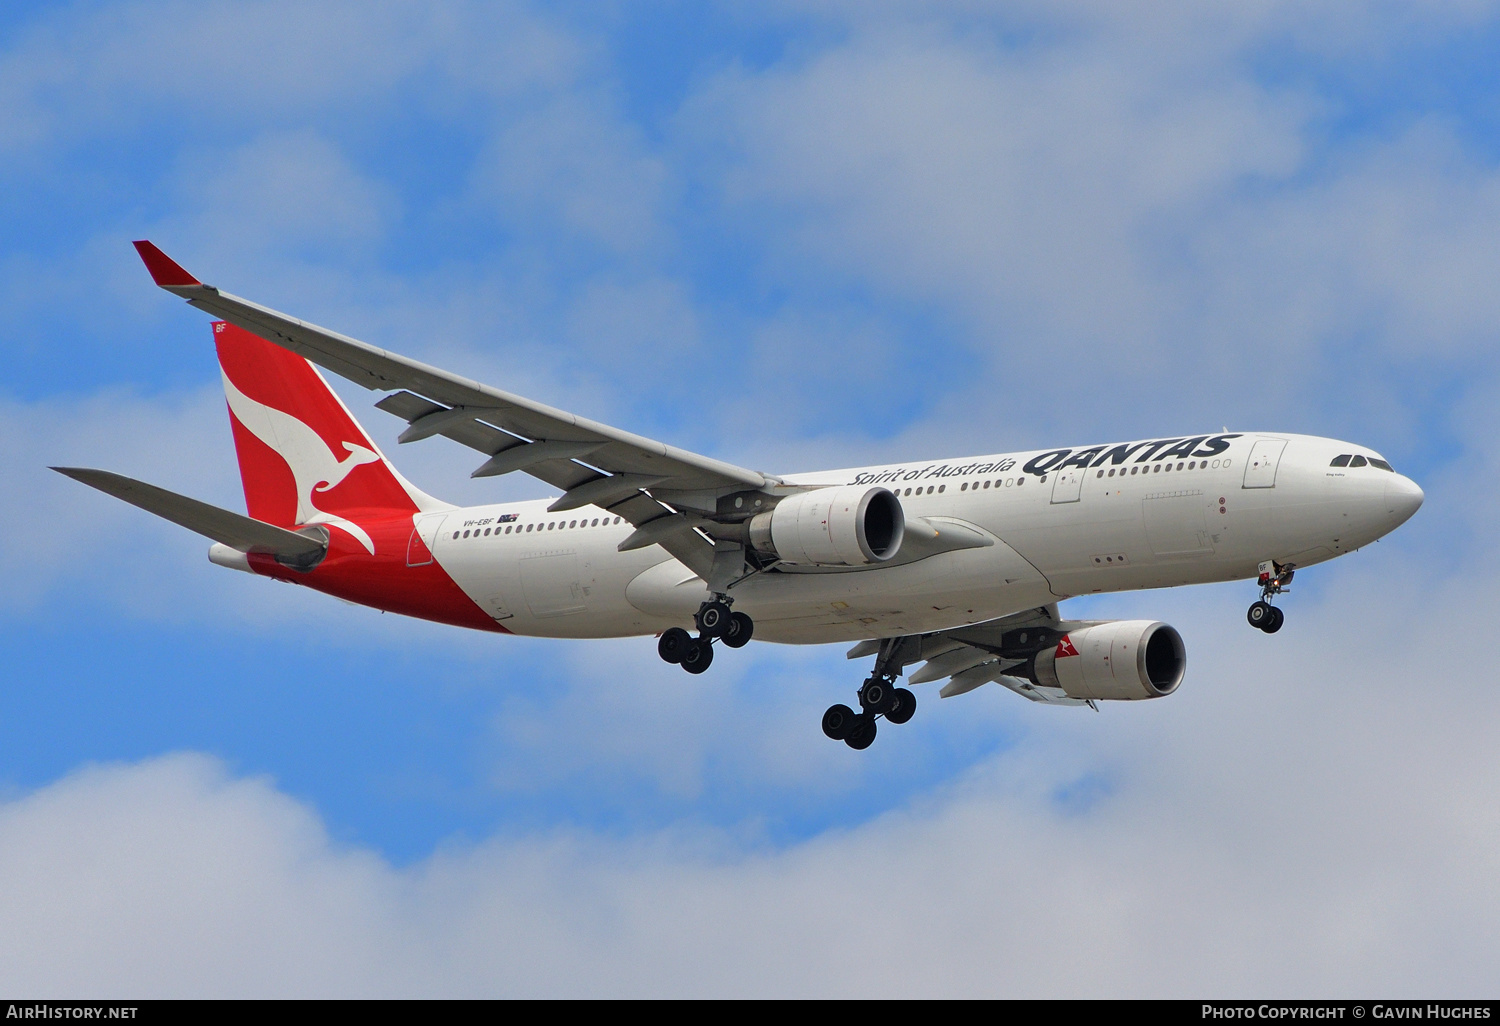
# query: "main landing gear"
x,y
878,697
1274,579
715,621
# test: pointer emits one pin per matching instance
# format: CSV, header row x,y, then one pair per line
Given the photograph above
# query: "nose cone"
x,y
1402,499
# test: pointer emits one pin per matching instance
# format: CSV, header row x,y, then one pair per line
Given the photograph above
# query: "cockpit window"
x,y
1358,461
1340,461
1382,464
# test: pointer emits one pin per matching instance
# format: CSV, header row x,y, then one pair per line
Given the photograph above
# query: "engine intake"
x,y
854,525
1123,659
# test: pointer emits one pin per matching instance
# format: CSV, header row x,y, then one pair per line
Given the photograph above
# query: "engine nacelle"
x,y
1123,659
850,526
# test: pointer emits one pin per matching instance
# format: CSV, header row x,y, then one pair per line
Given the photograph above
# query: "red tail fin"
x,y
303,458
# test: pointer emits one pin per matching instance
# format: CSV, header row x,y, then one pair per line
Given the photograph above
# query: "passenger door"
x,y
1265,457
1067,485
423,536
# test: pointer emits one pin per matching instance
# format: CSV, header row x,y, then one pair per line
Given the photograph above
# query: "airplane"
x,y
957,564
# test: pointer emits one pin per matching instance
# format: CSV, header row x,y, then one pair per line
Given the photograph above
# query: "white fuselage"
x,y
1116,519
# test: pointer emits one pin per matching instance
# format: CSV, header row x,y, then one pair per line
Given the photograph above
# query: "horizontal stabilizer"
x,y
239,532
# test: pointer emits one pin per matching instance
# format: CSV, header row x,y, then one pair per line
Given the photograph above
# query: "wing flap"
x,y
971,657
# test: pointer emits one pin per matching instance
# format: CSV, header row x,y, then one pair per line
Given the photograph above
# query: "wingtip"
x,y
165,271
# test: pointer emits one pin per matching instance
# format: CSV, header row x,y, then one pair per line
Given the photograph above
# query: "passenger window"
x,y
1100,474
572,523
986,484
1382,464
1021,480
941,488
964,487
1357,461
507,530
1340,461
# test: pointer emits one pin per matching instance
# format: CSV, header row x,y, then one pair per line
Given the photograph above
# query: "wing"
x,y
593,463
980,654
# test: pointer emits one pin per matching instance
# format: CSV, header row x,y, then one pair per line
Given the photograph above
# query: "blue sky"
x,y
794,236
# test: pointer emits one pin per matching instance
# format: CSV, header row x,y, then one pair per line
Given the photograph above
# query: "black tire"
x,y
875,696
1259,613
1274,623
903,705
713,619
861,733
738,631
699,655
673,644
836,721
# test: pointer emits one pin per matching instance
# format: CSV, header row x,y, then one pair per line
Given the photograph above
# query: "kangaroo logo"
x,y
314,466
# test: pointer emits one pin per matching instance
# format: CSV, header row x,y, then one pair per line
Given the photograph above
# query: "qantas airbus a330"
x,y
957,564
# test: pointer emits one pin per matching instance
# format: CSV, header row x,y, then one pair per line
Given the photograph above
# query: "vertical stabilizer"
x,y
304,459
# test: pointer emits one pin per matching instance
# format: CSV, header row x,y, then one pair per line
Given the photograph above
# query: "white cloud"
x,y
83,73
575,167
284,192
1310,814
1121,217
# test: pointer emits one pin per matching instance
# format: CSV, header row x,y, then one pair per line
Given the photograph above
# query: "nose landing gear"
x,y
1266,617
1274,579
878,697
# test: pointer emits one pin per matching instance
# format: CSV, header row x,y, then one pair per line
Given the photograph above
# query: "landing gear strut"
x,y
715,621
878,697
1274,579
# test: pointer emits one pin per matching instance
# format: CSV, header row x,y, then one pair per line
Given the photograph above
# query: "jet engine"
x,y
853,525
1121,659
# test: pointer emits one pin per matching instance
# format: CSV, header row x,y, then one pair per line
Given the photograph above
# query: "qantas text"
x,y
1198,447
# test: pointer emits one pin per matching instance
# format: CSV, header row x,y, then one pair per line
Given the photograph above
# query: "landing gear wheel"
x,y
837,720
1260,614
903,705
875,696
698,656
673,644
737,630
1274,624
713,619
861,733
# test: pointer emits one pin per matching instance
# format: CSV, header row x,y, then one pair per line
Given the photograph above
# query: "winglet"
x,y
165,271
